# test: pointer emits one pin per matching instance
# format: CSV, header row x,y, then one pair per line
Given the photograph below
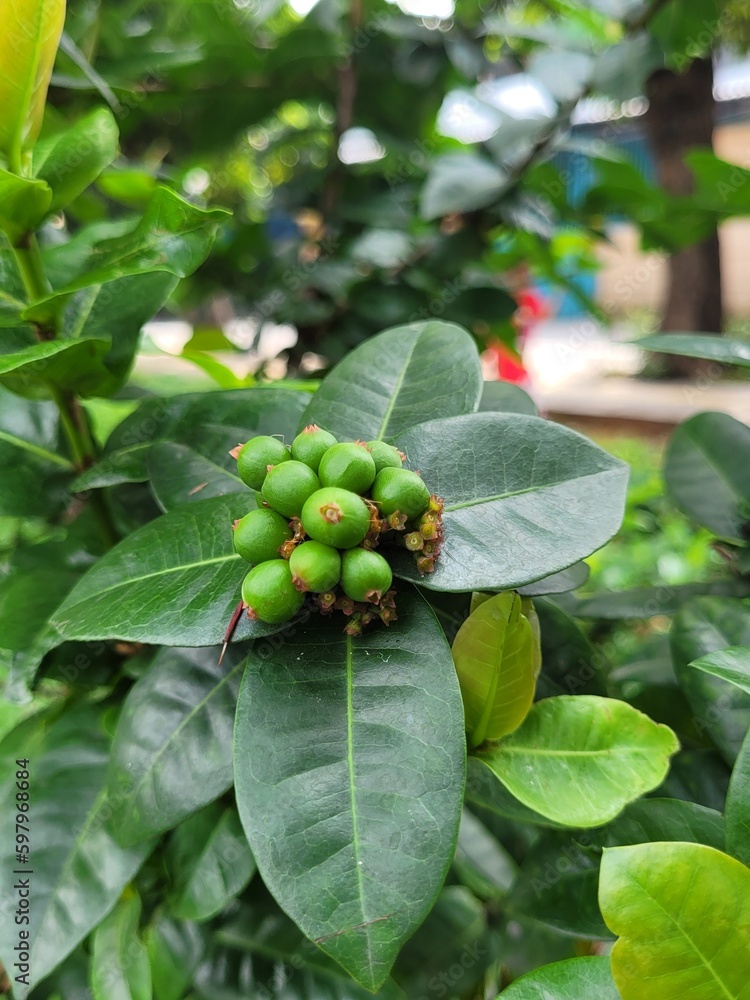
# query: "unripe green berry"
x,y
336,517
259,535
384,455
254,458
311,445
315,567
348,466
287,486
269,593
365,575
400,490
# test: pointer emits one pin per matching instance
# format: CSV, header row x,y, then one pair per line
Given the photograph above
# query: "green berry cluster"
x,y
325,508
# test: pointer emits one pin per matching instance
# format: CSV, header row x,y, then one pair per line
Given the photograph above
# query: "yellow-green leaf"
x,y
682,913
30,34
495,659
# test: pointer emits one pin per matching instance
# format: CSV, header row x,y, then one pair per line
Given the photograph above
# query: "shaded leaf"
x,y
505,397
725,350
706,625
209,862
738,806
524,498
23,204
172,753
460,182
175,949
707,472
352,815
580,759
71,365
481,862
120,967
570,664
79,868
398,379
179,475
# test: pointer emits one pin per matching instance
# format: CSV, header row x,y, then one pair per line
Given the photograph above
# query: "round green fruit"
x,y
347,466
315,567
269,593
259,535
384,455
400,490
255,457
287,486
336,517
365,575
311,445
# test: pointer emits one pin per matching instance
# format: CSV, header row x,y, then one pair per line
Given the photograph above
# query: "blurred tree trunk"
x,y
680,117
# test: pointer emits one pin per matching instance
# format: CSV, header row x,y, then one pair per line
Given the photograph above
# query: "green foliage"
x,y
306,816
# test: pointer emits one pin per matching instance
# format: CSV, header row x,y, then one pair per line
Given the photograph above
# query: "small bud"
x,y
428,530
425,564
397,520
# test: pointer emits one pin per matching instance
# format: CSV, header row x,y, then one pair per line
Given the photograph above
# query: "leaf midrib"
x,y
449,508
356,847
100,592
689,940
397,389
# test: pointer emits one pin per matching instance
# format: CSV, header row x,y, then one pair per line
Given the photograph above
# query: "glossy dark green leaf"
x,y
398,379
682,913
172,753
120,968
580,759
174,581
706,625
524,498
699,776
707,472
574,979
349,773
79,868
570,664
726,350
731,665
264,931
172,236
451,950
496,667
461,182
178,474
72,159
72,365
27,600
505,397
654,819
23,204
738,806
206,422
175,949
209,861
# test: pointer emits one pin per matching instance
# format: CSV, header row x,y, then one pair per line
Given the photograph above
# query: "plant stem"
x,y
74,421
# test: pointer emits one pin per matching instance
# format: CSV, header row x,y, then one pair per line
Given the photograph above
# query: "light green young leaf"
x,y
580,759
495,662
732,665
28,44
682,914
23,204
